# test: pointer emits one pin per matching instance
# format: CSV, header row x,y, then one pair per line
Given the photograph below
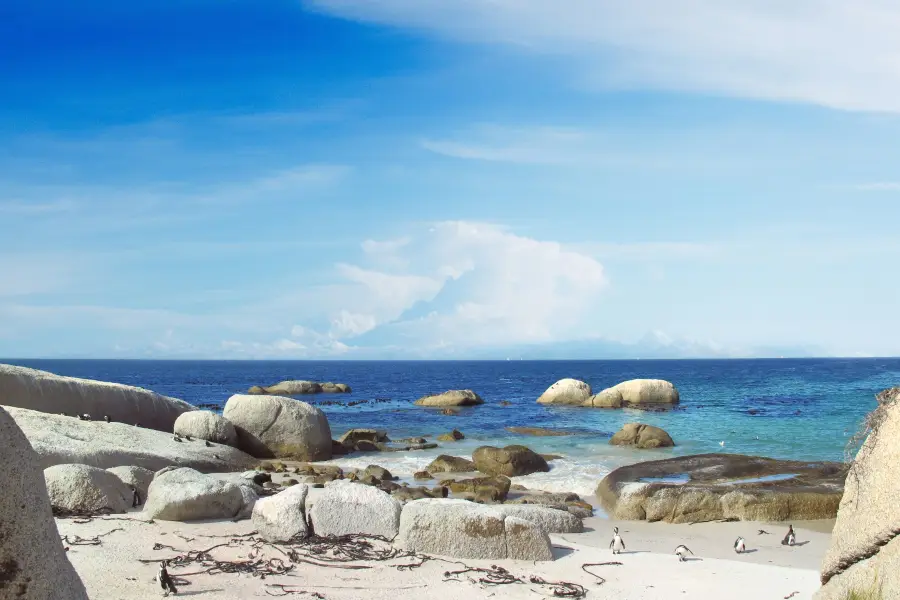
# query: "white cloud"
x,y
350,324
835,53
526,145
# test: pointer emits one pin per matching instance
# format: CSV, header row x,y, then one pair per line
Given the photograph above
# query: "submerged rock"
x,y
537,431
567,392
641,436
510,461
33,563
451,398
710,487
272,426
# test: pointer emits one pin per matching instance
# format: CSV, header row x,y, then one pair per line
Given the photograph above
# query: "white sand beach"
x,y
649,571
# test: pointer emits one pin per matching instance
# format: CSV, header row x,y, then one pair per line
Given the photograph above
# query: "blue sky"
x,y
449,178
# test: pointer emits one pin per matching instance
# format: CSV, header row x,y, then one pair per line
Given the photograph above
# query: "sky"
x,y
431,179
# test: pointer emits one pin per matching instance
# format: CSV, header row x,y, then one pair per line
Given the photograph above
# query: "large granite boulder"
x,y
49,393
865,541
62,440
347,508
510,461
138,478
183,494
206,425
567,392
276,427
710,487
641,436
282,517
450,464
461,529
33,563
451,398
82,488
551,520
300,388
637,392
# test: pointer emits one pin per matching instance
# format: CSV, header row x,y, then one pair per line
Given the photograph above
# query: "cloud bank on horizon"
x,y
450,179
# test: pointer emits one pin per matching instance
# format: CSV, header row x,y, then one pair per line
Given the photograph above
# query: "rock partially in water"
x,y
510,461
450,464
353,436
723,486
538,431
300,388
451,398
453,436
642,436
566,392
636,392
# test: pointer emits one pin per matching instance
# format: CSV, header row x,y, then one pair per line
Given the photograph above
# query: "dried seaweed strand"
x,y
601,580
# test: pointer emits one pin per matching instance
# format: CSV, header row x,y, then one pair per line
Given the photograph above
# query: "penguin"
x,y
617,544
177,438
135,498
790,538
165,582
85,417
739,545
208,445
188,438
107,419
681,551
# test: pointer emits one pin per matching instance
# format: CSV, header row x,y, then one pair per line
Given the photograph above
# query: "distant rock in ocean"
x,y
45,392
636,392
451,398
569,392
642,436
300,388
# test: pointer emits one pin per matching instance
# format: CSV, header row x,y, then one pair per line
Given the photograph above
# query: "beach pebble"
x,y
78,487
272,426
206,425
34,562
186,495
281,517
451,398
510,461
461,529
350,508
571,392
136,477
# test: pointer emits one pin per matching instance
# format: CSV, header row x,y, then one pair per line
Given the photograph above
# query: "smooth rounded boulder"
x,y
347,508
451,398
282,517
608,398
566,392
136,477
642,392
206,425
277,427
84,489
450,464
182,494
551,520
642,436
33,562
511,461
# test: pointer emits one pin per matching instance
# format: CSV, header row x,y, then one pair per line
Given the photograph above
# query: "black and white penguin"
x,y
617,544
208,445
790,538
681,552
188,438
165,582
107,419
135,498
739,545
85,417
177,438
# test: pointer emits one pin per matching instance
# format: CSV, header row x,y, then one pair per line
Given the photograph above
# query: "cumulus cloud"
x,y
834,53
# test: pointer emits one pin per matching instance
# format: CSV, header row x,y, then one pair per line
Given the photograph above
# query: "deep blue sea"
x,y
803,409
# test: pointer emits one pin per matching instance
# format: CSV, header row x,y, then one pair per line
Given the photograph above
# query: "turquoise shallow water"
x,y
803,409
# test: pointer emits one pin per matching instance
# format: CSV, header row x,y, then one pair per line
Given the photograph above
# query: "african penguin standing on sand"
x,y
682,551
135,498
617,544
739,545
165,582
790,538
106,418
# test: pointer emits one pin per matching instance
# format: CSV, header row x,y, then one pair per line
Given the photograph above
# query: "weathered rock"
x,y
608,398
281,517
33,563
379,473
137,477
451,398
638,392
272,426
346,508
66,440
641,436
510,461
537,431
551,520
568,392
300,388
48,393
357,435
187,495
406,494
453,436
709,487
206,425
421,475
450,464
82,488
865,541
335,388
339,449
460,529
493,489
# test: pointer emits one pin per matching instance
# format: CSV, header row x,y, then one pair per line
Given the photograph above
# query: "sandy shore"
x,y
649,570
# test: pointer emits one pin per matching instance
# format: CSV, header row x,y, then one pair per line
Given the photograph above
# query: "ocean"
x,y
803,409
